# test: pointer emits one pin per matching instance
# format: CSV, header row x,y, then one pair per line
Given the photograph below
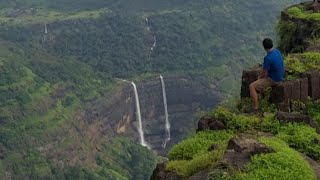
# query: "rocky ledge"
x,y
286,93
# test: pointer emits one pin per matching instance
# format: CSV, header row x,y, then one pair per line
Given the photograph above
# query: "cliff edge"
x,y
282,142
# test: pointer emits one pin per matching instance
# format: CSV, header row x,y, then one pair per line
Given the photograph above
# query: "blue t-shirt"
x,y
273,64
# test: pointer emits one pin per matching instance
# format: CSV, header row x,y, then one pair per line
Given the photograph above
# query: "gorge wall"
x,y
116,113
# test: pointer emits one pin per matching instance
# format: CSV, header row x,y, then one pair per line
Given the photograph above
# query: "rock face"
x,y
115,115
296,118
209,123
316,6
313,82
305,29
184,98
241,148
287,92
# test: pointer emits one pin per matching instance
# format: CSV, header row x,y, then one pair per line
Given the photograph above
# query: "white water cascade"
x,y
165,104
45,29
154,37
138,115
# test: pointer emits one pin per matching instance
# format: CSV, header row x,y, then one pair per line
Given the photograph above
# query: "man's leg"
x,y
254,96
259,85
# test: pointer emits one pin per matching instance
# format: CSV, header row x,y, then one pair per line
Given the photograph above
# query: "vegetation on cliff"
x,y
292,143
284,138
285,163
298,29
303,12
192,155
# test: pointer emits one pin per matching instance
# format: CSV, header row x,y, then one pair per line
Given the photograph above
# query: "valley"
x,y
65,114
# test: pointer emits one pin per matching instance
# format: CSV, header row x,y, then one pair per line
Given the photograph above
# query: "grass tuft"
x,y
285,163
192,155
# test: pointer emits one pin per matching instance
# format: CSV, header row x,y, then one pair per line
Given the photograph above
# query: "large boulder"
x,y
210,123
304,89
287,92
296,118
316,6
241,148
283,94
314,83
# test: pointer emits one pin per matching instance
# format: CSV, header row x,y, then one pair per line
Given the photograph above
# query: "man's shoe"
x,y
252,111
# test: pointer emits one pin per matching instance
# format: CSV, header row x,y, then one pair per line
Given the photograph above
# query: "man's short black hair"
x,y
267,43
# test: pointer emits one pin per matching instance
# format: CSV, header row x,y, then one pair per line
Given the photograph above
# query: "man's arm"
x,y
266,67
264,74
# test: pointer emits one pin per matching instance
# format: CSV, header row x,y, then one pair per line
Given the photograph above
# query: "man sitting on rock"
x,y
273,72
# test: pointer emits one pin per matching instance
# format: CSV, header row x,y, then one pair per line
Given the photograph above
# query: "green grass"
x,y
313,110
192,155
301,12
301,137
295,36
270,124
236,121
285,163
303,62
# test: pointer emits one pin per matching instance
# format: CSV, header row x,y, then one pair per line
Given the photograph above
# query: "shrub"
x,y
243,122
270,124
238,122
313,110
302,137
198,144
285,163
192,155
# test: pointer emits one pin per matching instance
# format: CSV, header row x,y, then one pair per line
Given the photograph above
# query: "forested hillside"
x,y
58,56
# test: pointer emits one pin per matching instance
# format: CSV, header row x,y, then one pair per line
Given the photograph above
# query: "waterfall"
x,y
154,43
138,115
165,104
45,29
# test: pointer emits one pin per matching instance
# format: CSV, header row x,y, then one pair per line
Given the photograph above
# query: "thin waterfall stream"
x,y
165,104
138,115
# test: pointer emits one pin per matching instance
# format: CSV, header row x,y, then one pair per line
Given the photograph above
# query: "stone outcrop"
x,y
287,92
314,83
296,118
241,148
210,123
316,6
239,151
305,29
